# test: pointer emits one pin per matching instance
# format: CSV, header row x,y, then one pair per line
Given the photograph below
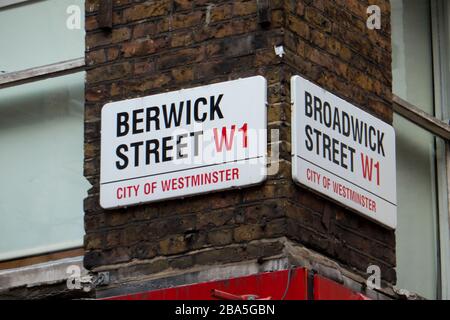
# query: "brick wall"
x,y
158,46
329,43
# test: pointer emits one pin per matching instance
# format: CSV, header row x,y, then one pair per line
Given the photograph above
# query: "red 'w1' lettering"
x,y
244,130
224,138
367,168
227,139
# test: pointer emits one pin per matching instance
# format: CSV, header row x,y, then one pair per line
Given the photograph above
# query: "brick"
x,y
187,20
144,251
93,241
220,237
95,94
181,75
220,12
121,34
173,245
243,45
243,8
181,57
181,39
142,47
215,219
144,67
91,23
112,54
276,228
247,233
227,254
110,72
148,29
298,26
147,10
181,5
94,40
114,238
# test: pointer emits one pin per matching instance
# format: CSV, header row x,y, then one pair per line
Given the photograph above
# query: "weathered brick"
x,y
247,232
180,5
148,29
181,57
143,47
220,237
110,72
173,245
121,34
147,10
186,20
181,75
220,12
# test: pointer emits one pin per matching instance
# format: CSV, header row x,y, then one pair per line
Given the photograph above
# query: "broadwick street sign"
x,y
185,142
343,152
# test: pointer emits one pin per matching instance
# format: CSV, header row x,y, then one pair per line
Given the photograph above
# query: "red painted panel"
x,y
325,289
264,285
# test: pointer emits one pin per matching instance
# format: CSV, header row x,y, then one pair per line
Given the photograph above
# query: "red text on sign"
x,y
127,192
227,137
367,168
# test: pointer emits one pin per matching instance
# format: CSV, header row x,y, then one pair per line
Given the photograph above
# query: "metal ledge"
x,y
39,274
8,3
421,118
41,73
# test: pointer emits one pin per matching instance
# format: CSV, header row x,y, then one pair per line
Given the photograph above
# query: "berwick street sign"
x,y
185,142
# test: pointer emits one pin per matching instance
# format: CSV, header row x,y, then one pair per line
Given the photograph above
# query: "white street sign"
x,y
184,142
343,152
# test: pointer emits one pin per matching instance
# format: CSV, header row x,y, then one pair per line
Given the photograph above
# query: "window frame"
x,y
9,3
442,108
17,78
58,69
435,125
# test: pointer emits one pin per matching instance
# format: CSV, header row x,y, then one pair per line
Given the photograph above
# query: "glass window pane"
x,y
416,235
35,33
412,54
41,161
446,40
